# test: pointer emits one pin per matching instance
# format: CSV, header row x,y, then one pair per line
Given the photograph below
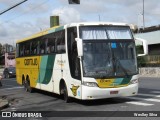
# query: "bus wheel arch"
x,y
23,80
24,83
61,86
63,91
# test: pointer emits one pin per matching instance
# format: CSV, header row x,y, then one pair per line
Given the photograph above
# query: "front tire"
x,y
67,99
25,85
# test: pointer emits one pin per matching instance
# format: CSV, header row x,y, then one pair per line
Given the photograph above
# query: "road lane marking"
x,y
13,109
152,100
8,85
142,99
155,92
11,88
139,103
149,95
11,79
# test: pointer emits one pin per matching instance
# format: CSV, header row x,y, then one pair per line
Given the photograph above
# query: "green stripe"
x,y
56,29
46,69
125,81
120,81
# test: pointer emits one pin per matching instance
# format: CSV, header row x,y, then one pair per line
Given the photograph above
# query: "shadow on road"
x,y
108,101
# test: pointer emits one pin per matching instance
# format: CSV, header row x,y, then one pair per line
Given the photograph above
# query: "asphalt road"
x,y
148,99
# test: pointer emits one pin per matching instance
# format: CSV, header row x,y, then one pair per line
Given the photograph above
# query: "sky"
x,y
34,15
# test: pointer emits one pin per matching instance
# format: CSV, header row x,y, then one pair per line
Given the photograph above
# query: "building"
x,y
152,35
7,59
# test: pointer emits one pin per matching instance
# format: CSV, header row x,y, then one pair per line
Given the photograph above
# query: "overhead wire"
x,y
12,7
7,21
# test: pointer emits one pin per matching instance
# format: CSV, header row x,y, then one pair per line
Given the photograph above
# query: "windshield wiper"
x,y
115,61
123,69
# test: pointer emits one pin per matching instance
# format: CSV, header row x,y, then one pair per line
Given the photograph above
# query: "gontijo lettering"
x,y
31,61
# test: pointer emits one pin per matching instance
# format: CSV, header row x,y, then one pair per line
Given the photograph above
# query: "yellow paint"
x,y
37,34
108,83
104,83
26,66
74,90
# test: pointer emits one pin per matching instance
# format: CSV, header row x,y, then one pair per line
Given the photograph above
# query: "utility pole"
x,y
99,18
143,16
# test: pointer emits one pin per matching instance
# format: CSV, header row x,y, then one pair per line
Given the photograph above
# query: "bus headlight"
x,y
90,84
134,81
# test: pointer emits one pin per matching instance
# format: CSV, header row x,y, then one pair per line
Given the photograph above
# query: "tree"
x,y
0,48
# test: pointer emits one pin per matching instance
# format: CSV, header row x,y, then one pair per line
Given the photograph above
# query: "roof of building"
x,y
147,29
151,34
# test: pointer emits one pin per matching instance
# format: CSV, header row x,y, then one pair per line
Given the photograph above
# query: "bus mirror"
x,y
79,46
145,46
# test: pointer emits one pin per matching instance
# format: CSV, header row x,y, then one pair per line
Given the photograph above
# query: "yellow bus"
x,y
86,61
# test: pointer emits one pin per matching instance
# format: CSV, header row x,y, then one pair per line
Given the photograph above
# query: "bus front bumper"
x,y
91,93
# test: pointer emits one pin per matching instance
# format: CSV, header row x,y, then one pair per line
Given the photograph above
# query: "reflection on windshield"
x,y
105,32
109,58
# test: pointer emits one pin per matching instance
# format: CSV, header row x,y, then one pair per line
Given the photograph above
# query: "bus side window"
x,y
51,45
74,61
47,46
42,46
27,48
61,42
52,48
21,47
17,50
34,47
48,50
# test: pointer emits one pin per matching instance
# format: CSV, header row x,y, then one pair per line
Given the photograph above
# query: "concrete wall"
x,y
150,72
1,71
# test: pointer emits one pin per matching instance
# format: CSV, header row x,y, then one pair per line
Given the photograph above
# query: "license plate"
x,y
113,92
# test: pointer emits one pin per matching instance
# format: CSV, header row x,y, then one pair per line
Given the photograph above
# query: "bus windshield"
x,y
108,52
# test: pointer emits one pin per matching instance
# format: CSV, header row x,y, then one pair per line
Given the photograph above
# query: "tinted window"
x,y
48,44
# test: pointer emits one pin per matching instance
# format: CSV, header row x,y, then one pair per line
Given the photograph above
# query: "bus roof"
x,y
96,23
57,28
47,31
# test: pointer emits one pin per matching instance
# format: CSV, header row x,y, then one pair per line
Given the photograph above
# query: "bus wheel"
x,y
67,99
28,87
25,85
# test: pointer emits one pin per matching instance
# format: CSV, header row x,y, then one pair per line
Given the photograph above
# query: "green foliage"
x,y
141,61
1,48
139,49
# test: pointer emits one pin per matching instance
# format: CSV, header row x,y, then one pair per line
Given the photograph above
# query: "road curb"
x,y
3,103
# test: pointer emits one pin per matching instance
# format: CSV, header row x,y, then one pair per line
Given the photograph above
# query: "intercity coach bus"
x,y
85,61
